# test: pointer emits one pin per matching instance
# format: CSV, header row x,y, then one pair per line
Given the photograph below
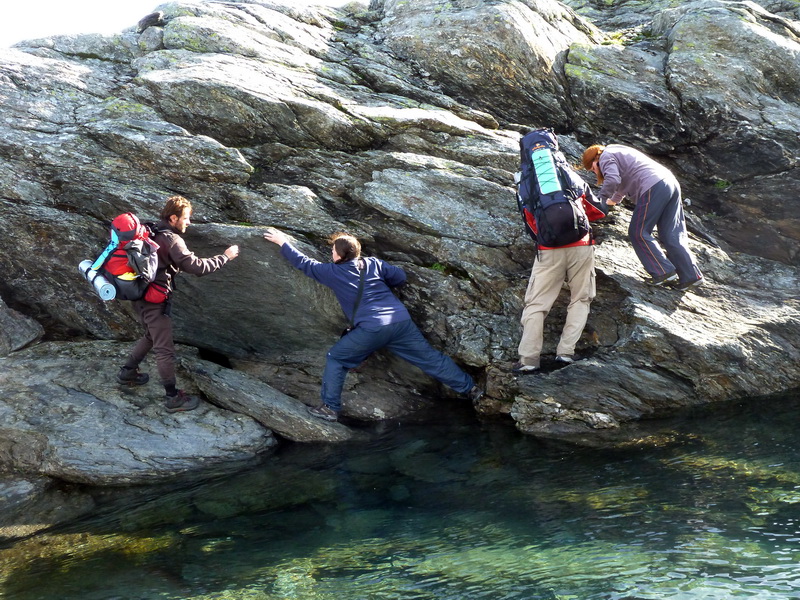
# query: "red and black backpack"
x,y
130,260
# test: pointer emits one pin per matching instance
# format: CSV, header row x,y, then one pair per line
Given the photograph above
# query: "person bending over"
x,y
378,319
623,171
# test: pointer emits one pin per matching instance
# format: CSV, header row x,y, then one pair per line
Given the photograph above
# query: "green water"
x,y
707,507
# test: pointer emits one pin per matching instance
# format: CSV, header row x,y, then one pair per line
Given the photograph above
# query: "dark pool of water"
x,y
708,507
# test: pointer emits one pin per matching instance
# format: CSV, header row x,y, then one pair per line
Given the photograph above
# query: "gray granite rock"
x,y
398,122
64,416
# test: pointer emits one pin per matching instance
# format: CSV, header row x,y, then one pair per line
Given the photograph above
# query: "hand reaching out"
x,y
275,236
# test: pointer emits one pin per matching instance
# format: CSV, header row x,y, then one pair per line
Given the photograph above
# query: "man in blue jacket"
x,y
378,318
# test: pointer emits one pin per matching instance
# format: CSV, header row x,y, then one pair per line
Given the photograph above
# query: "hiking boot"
x,y
181,402
475,393
323,412
661,279
687,284
519,369
565,358
128,376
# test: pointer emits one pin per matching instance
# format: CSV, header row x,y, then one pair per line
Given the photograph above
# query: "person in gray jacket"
x,y
623,171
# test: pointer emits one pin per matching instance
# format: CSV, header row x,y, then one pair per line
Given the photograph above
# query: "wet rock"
x,y
31,505
243,394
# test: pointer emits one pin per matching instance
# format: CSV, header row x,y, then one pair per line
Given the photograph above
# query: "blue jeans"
x,y
403,339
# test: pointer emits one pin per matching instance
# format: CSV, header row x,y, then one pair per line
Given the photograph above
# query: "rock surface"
x,y
64,416
398,122
659,345
16,330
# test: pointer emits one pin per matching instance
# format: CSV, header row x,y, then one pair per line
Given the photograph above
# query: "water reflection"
x,y
455,510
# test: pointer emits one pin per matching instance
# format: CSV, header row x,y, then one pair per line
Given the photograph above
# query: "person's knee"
x,y
672,242
335,362
332,359
581,304
638,235
585,298
534,316
164,353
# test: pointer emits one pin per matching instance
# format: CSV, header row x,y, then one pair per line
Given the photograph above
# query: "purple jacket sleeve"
x,y
392,275
611,178
318,271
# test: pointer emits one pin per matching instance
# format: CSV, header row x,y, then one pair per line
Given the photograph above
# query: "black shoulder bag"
x,y
351,324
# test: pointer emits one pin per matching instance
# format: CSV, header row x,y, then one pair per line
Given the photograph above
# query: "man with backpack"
x,y
155,307
557,206
623,171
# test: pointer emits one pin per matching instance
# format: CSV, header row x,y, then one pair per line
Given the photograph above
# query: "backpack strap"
x,y
153,228
112,245
362,269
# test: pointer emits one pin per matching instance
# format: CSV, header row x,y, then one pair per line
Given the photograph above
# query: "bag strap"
x,y
360,293
112,245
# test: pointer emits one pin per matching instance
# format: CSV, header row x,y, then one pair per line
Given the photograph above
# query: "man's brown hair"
x,y
175,206
346,246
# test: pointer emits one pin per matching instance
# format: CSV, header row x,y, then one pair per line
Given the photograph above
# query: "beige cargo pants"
x,y
550,270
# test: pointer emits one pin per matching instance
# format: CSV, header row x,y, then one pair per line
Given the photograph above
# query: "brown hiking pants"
x,y
157,337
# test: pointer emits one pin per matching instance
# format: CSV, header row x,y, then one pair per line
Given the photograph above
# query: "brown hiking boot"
x,y
128,376
323,412
181,402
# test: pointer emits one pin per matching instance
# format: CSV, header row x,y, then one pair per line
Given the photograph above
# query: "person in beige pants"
x,y
575,264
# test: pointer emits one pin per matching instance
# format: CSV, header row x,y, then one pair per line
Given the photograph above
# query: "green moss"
x,y
117,108
581,54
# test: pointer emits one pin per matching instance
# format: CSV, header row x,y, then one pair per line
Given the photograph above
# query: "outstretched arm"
x,y
275,236
312,268
186,261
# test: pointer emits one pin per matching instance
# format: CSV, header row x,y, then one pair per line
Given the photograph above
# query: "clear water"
x,y
707,506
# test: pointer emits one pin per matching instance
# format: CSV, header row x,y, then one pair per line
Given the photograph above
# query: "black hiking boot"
x,y
687,284
181,402
475,393
128,376
657,280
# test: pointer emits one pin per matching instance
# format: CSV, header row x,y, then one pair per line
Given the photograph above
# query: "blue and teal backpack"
x,y
547,195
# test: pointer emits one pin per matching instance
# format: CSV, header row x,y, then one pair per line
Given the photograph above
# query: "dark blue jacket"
x,y
378,306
